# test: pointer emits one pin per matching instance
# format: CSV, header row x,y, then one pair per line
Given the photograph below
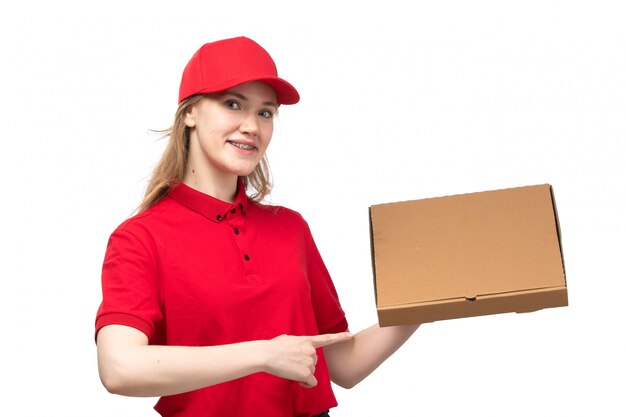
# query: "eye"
x,y
266,114
232,104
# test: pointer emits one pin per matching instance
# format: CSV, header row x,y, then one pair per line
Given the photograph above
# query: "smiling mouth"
x,y
242,146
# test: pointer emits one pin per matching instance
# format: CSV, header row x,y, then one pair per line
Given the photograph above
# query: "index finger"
x,y
330,339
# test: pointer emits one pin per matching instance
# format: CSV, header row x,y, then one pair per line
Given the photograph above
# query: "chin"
x,y
243,172
240,168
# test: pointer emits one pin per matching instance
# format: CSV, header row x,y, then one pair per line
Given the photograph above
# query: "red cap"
x,y
220,65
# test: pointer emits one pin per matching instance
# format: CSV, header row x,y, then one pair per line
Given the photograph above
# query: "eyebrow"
x,y
244,98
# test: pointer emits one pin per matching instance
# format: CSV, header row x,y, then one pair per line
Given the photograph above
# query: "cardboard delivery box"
x,y
467,255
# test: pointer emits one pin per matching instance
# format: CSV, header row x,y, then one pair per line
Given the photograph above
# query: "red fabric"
x,y
223,64
196,271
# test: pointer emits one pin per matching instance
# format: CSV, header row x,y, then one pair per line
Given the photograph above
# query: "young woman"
x,y
215,302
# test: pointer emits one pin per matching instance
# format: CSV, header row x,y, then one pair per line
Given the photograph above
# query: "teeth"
x,y
242,146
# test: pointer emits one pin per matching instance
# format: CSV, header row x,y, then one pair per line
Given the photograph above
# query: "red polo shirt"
x,y
196,271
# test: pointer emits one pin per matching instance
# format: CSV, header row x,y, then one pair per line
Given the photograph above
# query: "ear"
x,y
190,117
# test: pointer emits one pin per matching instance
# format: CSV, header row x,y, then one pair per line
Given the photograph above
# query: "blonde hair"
x,y
170,169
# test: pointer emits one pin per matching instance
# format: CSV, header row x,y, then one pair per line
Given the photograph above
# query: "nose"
x,y
249,124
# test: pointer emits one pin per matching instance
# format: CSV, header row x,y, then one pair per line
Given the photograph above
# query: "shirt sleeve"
x,y
329,314
130,290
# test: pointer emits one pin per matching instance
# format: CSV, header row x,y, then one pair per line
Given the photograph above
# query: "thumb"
x,y
310,382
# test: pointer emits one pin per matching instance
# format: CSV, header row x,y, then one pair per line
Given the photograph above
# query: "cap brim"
x,y
285,92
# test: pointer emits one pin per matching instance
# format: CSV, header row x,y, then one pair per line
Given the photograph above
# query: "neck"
x,y
224,188
203,176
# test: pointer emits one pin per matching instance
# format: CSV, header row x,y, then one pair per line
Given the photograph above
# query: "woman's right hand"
x,y
295,357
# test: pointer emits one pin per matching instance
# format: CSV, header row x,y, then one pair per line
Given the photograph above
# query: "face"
x,y
230,131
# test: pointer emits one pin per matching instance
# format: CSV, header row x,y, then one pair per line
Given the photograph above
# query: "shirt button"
x,y
219,217
236,230
246,257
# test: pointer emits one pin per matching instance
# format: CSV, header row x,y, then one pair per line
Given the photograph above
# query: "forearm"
x,y
129,366
351,361
142,370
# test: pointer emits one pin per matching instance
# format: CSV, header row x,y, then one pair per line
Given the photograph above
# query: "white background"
x,y
398,103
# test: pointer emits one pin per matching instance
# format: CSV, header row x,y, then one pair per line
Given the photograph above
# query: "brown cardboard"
x,y
467,255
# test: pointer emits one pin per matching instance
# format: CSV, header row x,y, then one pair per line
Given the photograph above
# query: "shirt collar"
x,y
210,207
